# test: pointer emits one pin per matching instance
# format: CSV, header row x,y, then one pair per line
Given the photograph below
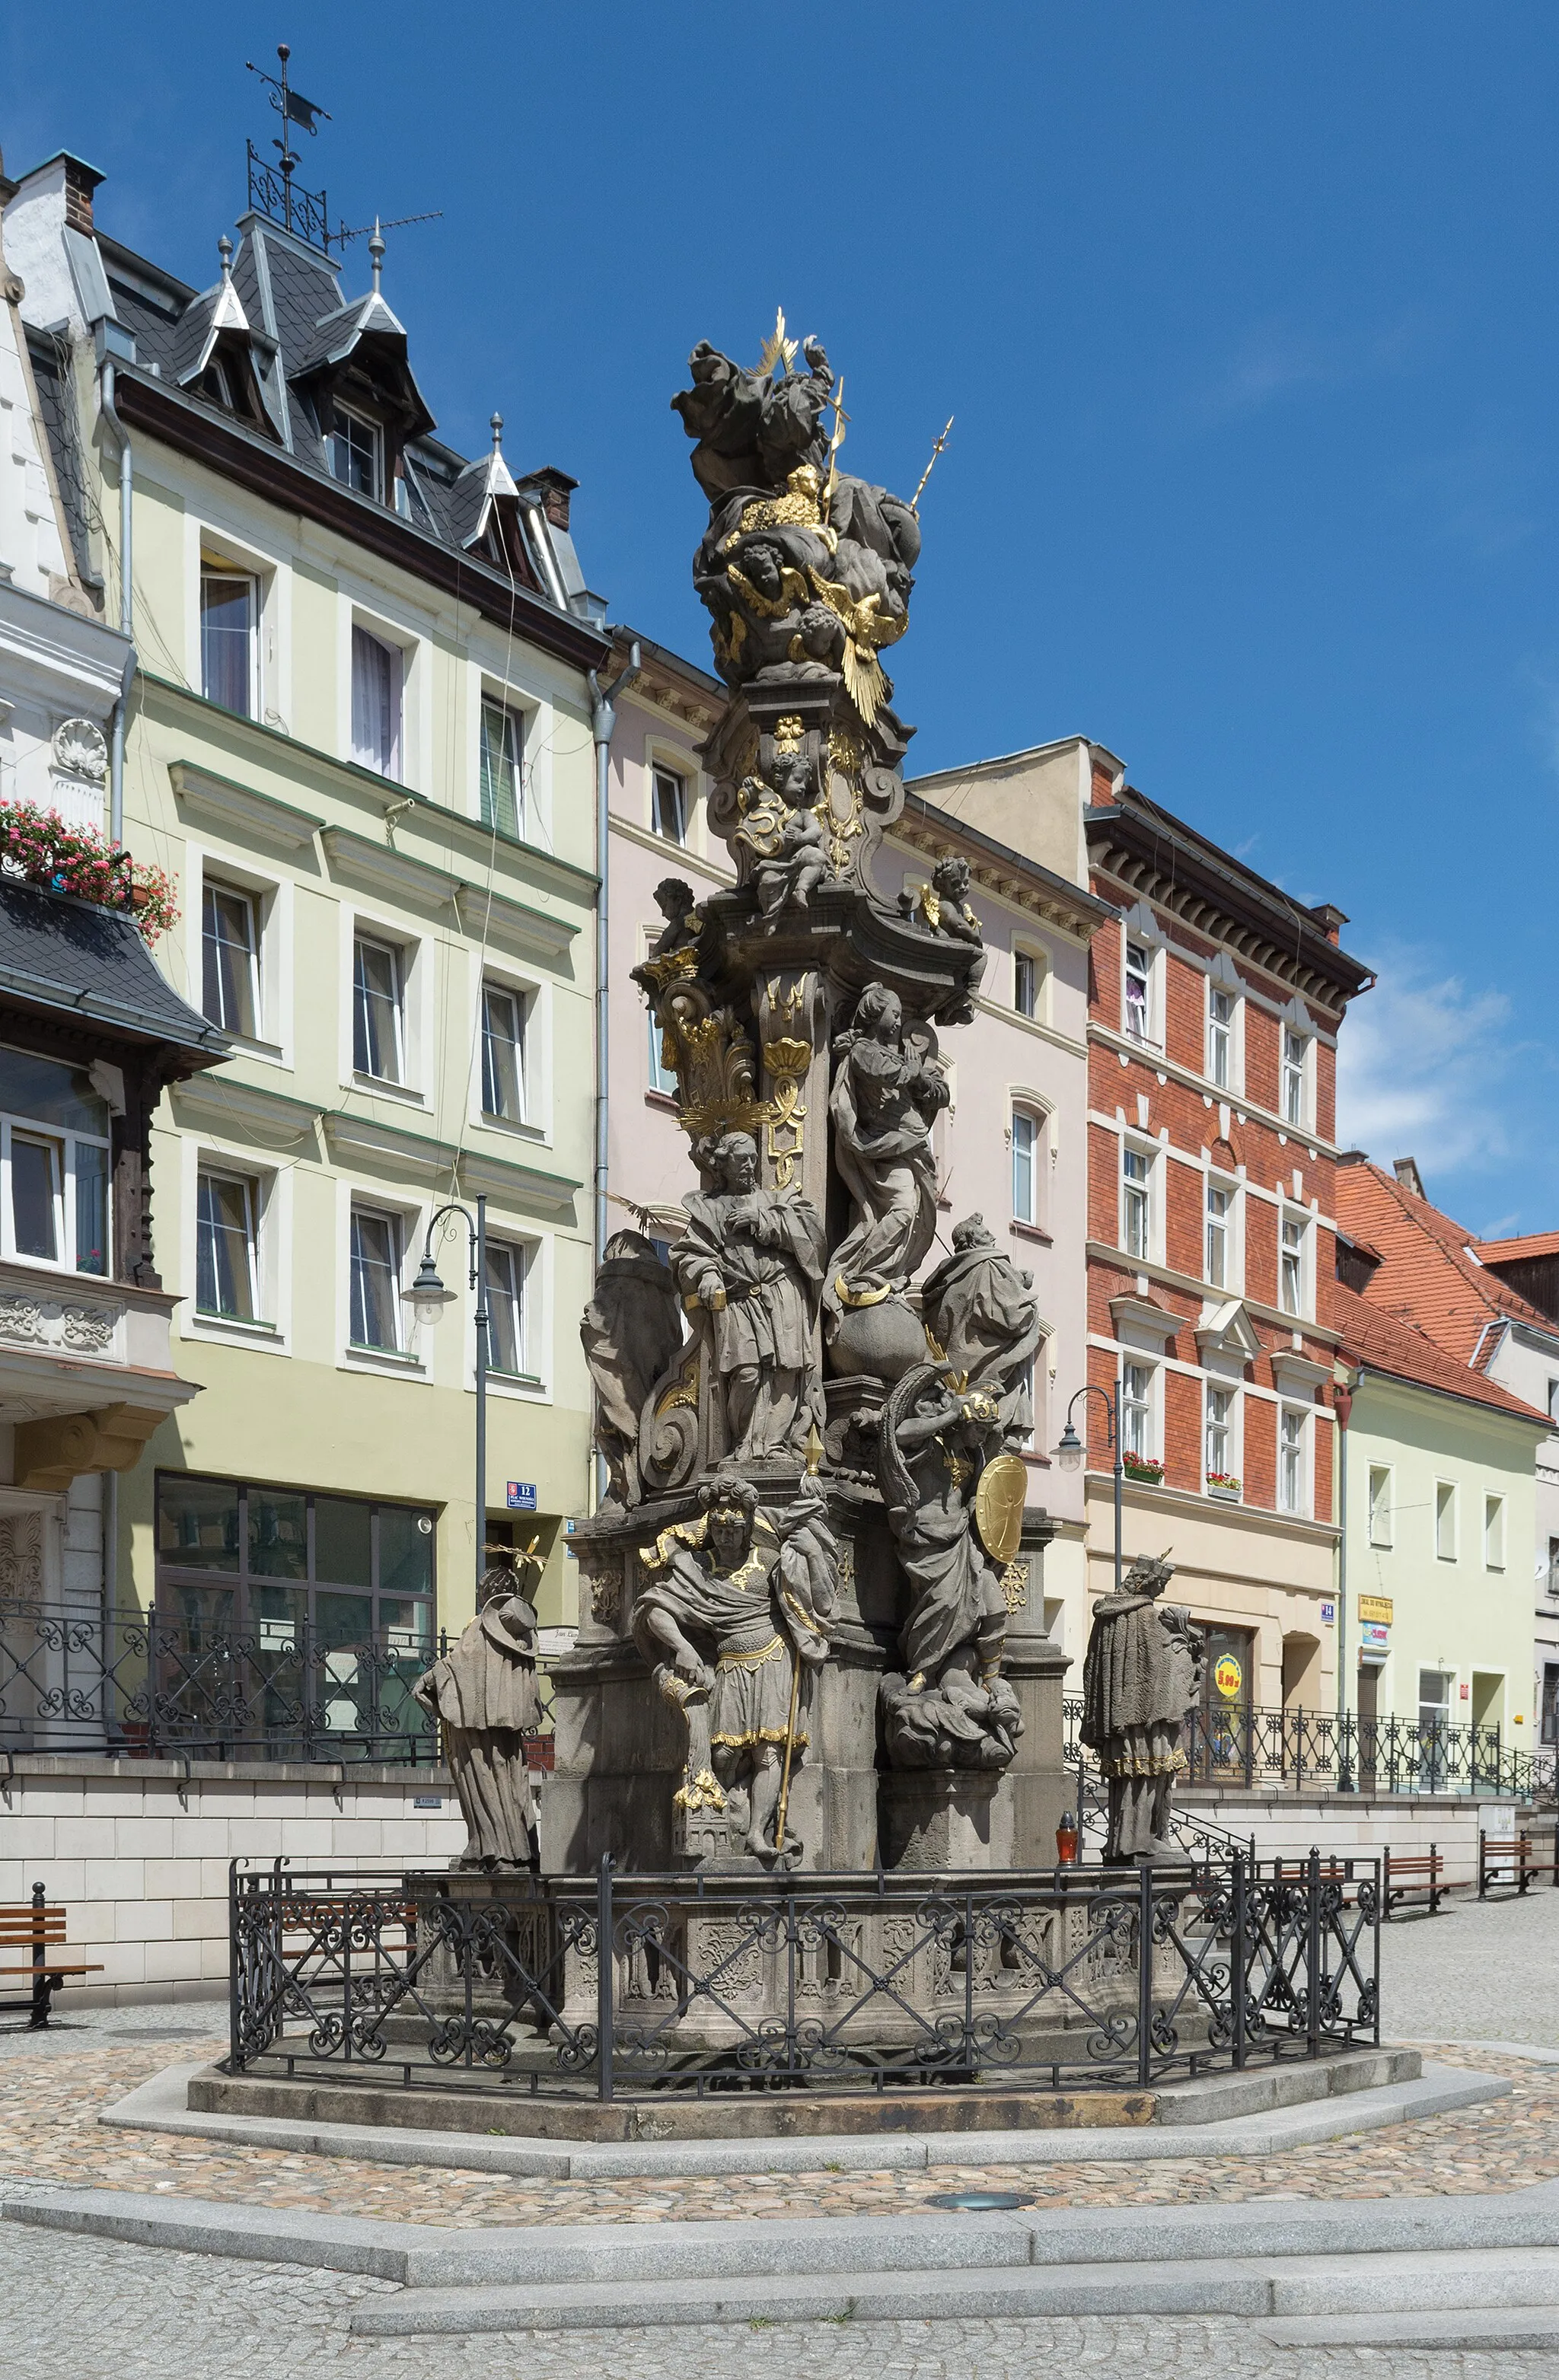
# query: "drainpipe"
x,y
603,720
1343,1404
112,344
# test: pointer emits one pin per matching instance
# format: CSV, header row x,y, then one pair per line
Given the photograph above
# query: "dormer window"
x,y
355,448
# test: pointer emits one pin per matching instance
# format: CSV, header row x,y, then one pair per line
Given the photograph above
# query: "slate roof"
x,y
1384,1343
300,325
1426,1276
67,956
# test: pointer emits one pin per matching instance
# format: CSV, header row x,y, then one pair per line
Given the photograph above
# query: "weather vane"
x,y
915,499
307,206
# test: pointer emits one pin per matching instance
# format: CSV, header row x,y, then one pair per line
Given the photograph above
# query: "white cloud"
x,y
1279,358
1421,1067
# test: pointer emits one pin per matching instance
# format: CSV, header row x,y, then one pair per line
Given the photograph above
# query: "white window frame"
x,y
366,1207
494,987
214,887
1220,1038
1381,1505
392,947
1225,1226
1447,1521
520,1255
209,1170
1296,1104
516,719
1293,1261
216,568
1494,1530
674,781
1140,1414
395,772
270,899
1139,1194
1145,974
1024,955
1026,1132
376,435
1295,1465
62,1141
269,1188
1227,1424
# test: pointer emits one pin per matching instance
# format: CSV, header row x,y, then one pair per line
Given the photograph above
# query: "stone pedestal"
x,y
947,1819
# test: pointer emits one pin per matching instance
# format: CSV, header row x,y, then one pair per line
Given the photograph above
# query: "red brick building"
x,y
1214,1007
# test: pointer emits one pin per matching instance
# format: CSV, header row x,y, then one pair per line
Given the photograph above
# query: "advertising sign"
x,y
1376,1608
1374,1641
1228,1676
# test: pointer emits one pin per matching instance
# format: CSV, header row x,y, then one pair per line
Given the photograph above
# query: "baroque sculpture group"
x,y
808,1609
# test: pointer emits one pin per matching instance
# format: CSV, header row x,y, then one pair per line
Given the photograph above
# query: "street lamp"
x,y
1070,1450
428,1297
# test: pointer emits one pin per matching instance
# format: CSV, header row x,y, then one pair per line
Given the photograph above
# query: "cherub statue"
x,y
684,923
942,908
793,855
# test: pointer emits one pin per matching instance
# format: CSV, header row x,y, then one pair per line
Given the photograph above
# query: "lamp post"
x,y
1069,1452
428,1298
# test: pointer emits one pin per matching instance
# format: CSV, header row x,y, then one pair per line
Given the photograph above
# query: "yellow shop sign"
x,y
1375,1607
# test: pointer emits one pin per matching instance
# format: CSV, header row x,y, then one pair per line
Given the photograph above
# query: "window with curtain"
x,y
1445,1521
230,959
375,1257
503,1055
376,703
229,623
53,1165
378,1019
502,756
1025,983
506,1306
226,1269
1295,1047
662,1076
1024,1166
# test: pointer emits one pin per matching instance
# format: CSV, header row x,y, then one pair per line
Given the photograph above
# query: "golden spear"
x,y
915,499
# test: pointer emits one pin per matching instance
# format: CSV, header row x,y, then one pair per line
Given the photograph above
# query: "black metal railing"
x,y
152,1685
611,1985
1295,1749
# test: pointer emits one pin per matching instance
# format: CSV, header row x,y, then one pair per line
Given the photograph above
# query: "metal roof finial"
x,y
376,254
224,249
497,425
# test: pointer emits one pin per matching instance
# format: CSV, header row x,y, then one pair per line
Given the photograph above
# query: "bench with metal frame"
x,y
1507,1864
37,1928
1414,1872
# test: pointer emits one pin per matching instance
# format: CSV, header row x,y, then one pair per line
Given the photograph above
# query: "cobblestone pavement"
x,y
49,2134
101,2310
1481,1970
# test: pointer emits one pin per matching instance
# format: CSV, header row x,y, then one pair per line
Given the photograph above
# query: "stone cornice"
x,y
232,805
358,1137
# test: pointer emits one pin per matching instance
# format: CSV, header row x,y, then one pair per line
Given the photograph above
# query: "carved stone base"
x,y
947,1818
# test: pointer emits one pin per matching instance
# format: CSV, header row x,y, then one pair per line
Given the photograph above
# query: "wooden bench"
x,y
1505,1863
1414,1872
37,1927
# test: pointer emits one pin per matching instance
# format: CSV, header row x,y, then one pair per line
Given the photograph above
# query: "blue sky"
x,y
1247,315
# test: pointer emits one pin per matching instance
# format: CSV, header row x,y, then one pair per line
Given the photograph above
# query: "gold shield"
x,y
998,1506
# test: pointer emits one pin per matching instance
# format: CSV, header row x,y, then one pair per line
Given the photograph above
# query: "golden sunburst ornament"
x,y
777,347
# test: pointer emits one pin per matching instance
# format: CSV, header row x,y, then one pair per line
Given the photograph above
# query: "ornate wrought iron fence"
x,y
632,1987
1242,1745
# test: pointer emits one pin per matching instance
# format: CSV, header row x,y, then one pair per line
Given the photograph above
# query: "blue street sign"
x,y
522,1496
1328,1613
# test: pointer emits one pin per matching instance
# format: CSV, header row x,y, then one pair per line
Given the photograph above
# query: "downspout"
x,y
603,720
1343,1402
105,333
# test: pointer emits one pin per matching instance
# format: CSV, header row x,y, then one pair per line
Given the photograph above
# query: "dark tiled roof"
x,y
64,955
51,373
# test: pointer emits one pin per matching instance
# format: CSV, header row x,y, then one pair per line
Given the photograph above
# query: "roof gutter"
x,y
114,346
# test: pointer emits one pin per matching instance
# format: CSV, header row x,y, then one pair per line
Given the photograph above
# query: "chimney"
x,y
1331,919
80,181
551,489
1406,1171
1106,775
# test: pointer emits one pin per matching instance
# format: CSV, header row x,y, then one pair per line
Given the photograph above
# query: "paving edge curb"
x,y
159,2106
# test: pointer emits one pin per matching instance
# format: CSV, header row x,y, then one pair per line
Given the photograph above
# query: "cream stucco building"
x,y
360,739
